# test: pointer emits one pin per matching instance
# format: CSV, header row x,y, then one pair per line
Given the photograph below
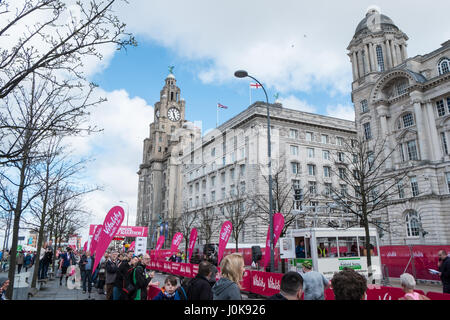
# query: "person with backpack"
x,y
171,290
199,288
126,270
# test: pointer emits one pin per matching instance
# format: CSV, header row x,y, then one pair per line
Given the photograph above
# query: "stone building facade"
x,y
406,100
229,164
160,184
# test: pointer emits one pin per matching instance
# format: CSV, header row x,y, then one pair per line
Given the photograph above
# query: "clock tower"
x,y
160,181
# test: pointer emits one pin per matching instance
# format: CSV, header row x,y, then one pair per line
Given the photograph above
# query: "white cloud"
x,y
342,112
292,45
292,102
117,151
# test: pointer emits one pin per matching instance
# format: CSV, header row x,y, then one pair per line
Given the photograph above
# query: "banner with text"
x,y
95,238
192,240
278,224
176,240
225,233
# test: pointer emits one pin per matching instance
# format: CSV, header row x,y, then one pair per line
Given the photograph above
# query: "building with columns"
x,y
160,184
406,100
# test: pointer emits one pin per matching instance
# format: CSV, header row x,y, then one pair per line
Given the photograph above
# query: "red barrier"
x,y
329,294
152,292
438,296
246,283
265,283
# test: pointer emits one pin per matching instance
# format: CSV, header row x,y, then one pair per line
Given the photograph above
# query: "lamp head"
x,y
241,74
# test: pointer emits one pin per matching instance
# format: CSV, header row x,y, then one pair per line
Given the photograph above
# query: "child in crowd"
x,y
171,290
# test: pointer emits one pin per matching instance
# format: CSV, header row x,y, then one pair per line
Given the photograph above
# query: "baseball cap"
x,y
307,264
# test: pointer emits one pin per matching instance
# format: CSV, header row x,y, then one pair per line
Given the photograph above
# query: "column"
x,y
366,60
405,52
421,133
399,54
385,56
382,111
355,65
360,64
394,53
435,141
373,58
389,63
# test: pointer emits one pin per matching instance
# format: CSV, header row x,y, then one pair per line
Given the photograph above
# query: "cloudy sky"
x,y
295,48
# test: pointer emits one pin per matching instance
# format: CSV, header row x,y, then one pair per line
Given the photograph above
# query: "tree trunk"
x,y
38,253
367,246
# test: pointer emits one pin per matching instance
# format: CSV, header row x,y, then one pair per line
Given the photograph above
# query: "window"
x,y
380,59
447,175
339,141
414,187
309,136
314,205
242,191
311,169
222,177
326,172
223,193
326,155
213,152
242,153
372,246
203,184
197,187
293,134
191,189
444,143
401,190
310,152
343,190
233,156
412,150
294,150
328,189
340,156
312,187
348,247
401,87
232,190
364,106
295,166
213,196
324,138
412,224
223,161
342,173
444,66
406,121
242,167
296,184
232,174
367,131
440,108
213,181
327,247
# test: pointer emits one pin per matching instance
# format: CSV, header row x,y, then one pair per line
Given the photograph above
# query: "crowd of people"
x,y
24,260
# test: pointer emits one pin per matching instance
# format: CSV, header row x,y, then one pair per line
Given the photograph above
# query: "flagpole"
x,y
217,119
250,90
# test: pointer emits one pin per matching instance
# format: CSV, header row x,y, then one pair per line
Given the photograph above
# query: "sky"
x,y
297,49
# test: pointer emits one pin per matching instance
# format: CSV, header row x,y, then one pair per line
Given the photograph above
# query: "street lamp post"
x,y
243,74
128,209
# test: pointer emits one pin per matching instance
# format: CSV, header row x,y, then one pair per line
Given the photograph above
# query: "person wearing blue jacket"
x,y
67,259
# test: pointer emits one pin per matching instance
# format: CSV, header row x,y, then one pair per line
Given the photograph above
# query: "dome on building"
x,y
171,76
375,21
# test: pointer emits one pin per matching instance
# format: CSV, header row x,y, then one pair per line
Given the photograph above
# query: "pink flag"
x,y
177,238
85,246
111,225
95,238
278,223
131,248
159,245
192,240
225,233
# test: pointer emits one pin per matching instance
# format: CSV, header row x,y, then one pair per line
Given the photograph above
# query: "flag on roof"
x,y
221,106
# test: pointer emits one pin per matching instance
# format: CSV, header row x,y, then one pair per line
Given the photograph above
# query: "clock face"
x,y
174,114
157,113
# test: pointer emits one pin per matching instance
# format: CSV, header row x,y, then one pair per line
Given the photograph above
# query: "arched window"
x,y
406,121
380,59
412,224
444,66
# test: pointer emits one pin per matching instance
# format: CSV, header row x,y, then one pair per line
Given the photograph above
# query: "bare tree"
x,y
207,223
58,40
186,222
366,187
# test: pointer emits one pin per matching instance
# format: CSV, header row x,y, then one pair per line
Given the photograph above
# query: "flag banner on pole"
x,y
255,85
159,245
224,235
177,238
95,238
192,240
221,106
111,225
278,224
85,246
131,248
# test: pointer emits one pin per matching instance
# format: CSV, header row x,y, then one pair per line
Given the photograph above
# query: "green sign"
x,y
298,262
351,263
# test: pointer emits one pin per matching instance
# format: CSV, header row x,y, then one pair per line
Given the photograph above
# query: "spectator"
x,y
173,258
125,271
199,288
141,279
291,287
171,290
314,283
322,251
86,263
178,257
4,283
349,285
444,270
228,286
19,261
27,261
102,274
66,260
300,250
408,285
111,272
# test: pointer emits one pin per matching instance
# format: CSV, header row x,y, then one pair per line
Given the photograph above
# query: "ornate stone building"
x,y
160,184
406,100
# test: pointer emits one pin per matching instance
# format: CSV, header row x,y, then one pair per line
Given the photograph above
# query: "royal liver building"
x,y
406,100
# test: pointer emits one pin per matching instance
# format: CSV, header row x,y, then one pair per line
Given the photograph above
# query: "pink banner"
x,y
192,240
177,238
225,233
278,224
131,248
112,222
95,238
265,283
85,246
130,231
159,245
